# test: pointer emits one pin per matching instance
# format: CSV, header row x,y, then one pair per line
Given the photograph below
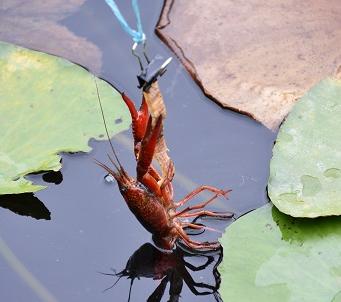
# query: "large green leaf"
x,y
269,256
305,170
47,106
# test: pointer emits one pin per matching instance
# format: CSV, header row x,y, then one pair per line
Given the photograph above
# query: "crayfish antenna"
x,y
106,168
120,170
118,275
106,130
110,287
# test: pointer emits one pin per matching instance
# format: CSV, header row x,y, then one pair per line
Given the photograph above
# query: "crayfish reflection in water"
x,y
150,195
173,268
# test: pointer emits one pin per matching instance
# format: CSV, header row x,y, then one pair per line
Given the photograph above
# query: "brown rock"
x,y
34,24
256,57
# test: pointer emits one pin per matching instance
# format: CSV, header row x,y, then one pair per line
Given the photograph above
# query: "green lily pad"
x,y
305,170
269,256
47,106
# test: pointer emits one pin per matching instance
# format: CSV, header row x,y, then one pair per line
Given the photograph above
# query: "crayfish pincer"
x,y
150,195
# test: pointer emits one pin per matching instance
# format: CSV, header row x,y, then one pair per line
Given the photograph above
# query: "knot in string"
x,y
137,35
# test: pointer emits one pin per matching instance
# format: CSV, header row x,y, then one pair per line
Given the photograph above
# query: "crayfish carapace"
x,y
150,195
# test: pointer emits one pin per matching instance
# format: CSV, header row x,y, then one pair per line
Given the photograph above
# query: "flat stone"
x,y
255,57
37,25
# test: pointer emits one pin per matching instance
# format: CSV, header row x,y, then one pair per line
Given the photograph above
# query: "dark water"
x,y
91,230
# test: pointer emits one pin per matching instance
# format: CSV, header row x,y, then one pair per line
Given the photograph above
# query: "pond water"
x,y
91,229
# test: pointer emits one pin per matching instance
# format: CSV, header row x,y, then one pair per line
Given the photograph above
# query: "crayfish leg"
x,y
223,215
150,182
195,244
148,145
198,191
197,206
146,174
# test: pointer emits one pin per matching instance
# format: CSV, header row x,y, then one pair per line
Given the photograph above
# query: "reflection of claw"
x,y
154,69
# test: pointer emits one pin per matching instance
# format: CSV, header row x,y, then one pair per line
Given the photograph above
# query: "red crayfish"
x,y
150,195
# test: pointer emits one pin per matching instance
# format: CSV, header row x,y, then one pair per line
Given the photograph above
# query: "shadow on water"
x,y
149,262
44,178
25,205
53,177
91,226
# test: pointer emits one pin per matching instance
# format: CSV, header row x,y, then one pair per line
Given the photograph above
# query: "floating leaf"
x,y
255,56
269,256
305,170
47,106
37,24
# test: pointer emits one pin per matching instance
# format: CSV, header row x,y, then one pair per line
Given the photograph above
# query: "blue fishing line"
x,y
137,35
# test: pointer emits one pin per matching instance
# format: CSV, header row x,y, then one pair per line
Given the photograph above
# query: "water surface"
x,y
91,230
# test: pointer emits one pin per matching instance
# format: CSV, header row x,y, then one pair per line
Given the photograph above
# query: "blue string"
x,y
137,35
